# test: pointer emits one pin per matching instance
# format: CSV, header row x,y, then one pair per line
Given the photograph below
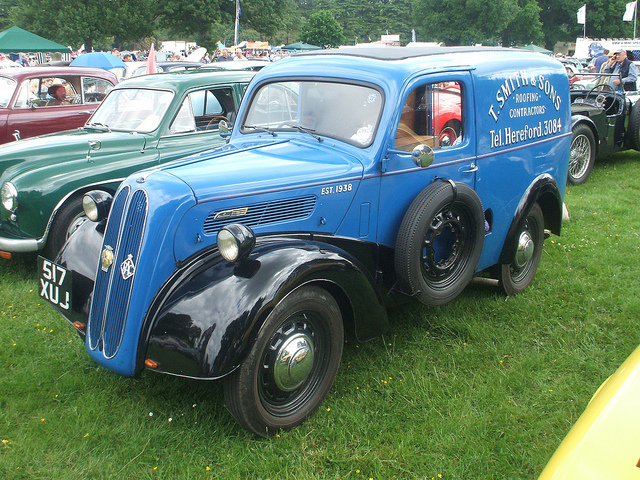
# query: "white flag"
x,y
629,12
582,14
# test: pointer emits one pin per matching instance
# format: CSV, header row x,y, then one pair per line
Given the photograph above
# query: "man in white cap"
x,y
625,69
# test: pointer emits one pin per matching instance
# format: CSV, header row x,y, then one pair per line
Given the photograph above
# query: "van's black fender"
x,y
204,321
545,191
80,256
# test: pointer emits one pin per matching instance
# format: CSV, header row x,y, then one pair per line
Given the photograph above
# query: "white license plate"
x,y
55,283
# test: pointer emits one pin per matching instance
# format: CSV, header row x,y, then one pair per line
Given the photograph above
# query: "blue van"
x,y
353,178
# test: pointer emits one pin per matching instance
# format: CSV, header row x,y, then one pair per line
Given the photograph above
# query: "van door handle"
x,y
472,168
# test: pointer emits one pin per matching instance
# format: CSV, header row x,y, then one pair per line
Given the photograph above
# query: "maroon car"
x,y
39,100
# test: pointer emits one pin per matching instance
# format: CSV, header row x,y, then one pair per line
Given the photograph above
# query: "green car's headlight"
x,y
235,242
9,197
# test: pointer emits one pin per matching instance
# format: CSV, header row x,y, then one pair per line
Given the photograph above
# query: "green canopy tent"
x,y
300,46
17,40
536,48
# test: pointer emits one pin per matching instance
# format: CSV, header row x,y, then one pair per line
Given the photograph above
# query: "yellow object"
x,y
605,441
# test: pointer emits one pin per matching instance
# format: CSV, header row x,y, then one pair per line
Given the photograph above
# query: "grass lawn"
x,y
485,387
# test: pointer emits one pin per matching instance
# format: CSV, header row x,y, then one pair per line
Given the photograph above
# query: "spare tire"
x,y
440,242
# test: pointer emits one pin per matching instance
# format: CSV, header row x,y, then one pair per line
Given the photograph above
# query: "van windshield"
x,y
342,111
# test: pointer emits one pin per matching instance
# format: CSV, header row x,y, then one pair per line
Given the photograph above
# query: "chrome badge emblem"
x,y
127,268
106,259
234,212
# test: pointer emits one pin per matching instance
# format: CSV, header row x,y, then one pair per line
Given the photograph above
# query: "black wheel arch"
x,y
545,192
85,243
203,322
75,195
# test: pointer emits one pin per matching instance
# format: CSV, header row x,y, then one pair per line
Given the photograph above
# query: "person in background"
x,y
127,57
599,60
625,75
224,56
624,70
239,55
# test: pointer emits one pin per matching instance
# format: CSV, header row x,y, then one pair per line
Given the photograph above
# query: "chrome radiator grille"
x,y
114,279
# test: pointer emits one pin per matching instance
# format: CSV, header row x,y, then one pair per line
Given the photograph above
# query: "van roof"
x,y
401,53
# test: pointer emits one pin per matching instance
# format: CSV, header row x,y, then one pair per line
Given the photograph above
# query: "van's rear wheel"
x,y
518,275
291,366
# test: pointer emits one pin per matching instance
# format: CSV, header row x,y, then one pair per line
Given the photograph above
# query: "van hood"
x,y
288,185
232,171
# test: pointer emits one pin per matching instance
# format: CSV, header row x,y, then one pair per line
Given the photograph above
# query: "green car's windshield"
x,y
338,110
132,109
7,87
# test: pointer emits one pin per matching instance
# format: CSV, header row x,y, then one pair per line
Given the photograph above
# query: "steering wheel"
x,y
607,91
216,118
603,88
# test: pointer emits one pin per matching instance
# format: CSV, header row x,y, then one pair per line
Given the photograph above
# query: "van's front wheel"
x,y
291,366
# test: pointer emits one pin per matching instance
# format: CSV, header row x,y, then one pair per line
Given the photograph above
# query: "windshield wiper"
x,y
261,129
99,126
302,129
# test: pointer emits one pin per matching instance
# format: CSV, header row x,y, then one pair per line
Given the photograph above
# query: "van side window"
x,y
431,115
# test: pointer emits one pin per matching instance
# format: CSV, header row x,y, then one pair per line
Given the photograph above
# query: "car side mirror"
x,y
224,128
422,155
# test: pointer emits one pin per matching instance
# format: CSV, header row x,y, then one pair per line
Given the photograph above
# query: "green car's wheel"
x,y
67,220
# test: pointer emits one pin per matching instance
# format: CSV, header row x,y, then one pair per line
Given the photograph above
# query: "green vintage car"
x,y
143,122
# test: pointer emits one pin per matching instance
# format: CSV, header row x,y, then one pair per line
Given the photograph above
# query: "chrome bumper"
x,y
20,245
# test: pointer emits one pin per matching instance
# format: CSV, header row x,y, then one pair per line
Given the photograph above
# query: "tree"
x,y
267,16
77,22
322,29
465,22
526,27
5,11
208,21
195,18
604,19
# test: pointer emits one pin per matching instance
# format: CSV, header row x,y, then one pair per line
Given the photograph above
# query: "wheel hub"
x,y
579,156
525,249
442,245
294,362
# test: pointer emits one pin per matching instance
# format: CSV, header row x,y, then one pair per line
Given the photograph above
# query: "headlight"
x,y
96,205
235,242
9,196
